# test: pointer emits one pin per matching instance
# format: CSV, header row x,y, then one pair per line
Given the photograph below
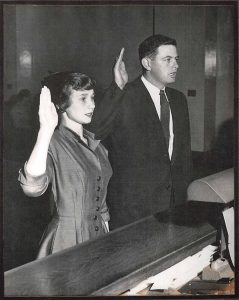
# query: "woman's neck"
x,y
74,126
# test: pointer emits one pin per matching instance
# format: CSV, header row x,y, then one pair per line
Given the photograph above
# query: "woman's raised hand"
x,y
36,164
48,116
120,73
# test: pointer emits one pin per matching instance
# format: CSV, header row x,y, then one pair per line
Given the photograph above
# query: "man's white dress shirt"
x,y
154,93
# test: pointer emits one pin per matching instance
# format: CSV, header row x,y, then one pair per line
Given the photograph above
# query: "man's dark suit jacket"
x,y
143,178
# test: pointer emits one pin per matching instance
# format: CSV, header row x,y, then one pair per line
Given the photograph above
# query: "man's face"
x,y
164,65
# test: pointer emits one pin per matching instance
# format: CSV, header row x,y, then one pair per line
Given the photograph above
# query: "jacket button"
x,y
95,217
96,228
98,188
168,186
97,198
98,178
97,208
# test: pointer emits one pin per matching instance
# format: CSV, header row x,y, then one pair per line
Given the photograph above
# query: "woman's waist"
x,y
72,219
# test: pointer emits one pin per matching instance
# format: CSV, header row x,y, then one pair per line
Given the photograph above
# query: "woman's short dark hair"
x,y
61,85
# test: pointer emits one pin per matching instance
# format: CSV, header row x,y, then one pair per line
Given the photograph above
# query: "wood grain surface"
x,y
118,261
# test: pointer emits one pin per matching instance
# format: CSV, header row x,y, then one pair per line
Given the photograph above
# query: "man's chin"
x,y
171,80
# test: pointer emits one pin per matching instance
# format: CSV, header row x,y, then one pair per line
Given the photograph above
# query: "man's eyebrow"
x,y
169,56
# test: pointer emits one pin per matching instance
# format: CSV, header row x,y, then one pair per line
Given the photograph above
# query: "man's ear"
x,y
146,63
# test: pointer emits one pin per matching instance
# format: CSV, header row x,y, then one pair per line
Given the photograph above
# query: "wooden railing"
x,y
119,260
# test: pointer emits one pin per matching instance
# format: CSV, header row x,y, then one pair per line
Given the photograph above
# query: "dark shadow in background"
x,y
221,157
223,148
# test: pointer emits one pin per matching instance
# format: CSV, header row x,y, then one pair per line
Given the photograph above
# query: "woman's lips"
x,y
89,115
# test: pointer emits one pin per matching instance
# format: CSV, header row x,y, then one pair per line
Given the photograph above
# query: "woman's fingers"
x,y
45,98
48,116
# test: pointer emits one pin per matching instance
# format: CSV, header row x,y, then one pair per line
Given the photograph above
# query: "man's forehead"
x,y
167,50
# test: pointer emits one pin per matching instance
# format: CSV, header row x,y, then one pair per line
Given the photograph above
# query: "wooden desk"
x,y
116,262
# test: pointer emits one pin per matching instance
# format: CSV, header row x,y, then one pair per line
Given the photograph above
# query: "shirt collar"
x,y
92,142
150,87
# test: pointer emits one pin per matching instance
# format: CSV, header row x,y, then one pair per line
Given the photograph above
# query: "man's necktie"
x,y
164,115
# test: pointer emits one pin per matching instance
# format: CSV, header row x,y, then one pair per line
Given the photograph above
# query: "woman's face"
x,y
81,107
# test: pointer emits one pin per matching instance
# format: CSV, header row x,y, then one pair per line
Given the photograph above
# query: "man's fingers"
x,y
120,57
123,66
121,54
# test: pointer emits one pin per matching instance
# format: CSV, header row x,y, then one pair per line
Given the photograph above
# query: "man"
x,y
150,154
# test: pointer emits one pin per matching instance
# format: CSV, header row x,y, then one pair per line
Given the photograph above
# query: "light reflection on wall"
x,y
25,60
210,62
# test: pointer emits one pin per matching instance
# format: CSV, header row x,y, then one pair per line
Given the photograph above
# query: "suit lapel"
x,y
146,100
148,106
149,109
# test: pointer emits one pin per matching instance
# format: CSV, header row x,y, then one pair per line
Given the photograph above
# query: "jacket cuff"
x,y
115,89
27,179
105,216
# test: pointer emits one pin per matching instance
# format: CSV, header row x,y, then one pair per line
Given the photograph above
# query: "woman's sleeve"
x,y
34,186
105,211
106,111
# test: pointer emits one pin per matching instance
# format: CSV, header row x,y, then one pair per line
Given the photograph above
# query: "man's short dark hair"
x,y
149,46
61,85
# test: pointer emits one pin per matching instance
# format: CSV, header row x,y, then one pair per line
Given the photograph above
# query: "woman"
x,y
70,160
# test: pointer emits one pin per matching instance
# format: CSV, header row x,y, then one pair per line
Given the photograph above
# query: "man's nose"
x,y
175,64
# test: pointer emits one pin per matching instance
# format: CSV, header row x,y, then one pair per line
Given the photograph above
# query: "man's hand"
x,y
120,73
47,112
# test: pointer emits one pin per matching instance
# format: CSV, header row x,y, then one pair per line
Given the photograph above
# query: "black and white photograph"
x,y
120,149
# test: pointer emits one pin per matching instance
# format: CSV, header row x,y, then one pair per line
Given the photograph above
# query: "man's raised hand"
x,y
120,73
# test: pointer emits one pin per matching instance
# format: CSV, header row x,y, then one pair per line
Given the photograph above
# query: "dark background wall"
x,y
39,39
88,38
